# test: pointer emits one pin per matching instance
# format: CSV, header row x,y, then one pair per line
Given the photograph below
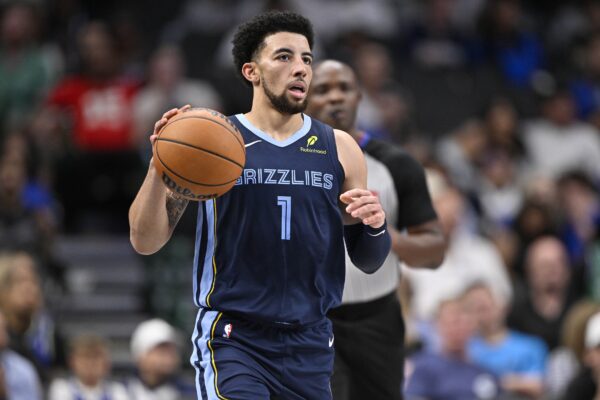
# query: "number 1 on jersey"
x,y
286,215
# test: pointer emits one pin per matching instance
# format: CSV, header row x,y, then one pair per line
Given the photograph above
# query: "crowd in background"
x,y
498,99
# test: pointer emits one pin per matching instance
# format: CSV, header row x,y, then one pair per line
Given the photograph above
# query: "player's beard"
x,y
282,103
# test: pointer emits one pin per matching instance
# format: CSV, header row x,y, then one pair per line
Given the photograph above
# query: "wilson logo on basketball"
x,y
185,191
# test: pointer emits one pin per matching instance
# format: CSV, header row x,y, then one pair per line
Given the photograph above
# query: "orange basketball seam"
x,y
189,180
235,134
201,149
216,114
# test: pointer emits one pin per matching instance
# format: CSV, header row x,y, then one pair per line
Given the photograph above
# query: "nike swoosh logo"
x,y
377,234
331,341
252,143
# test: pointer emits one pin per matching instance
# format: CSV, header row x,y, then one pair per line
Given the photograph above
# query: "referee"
x,y
368,326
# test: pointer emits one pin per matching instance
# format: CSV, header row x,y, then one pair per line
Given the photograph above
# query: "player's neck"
x,y
272,122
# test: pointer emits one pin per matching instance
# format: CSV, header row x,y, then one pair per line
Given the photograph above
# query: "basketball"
x,y
199,154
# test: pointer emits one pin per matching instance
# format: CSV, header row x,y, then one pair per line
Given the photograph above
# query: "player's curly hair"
x,y
249,37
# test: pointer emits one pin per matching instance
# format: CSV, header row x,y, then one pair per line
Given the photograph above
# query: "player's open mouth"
x,y
298,89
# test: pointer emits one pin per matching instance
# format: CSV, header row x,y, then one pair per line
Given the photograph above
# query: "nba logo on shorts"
x,y
228,328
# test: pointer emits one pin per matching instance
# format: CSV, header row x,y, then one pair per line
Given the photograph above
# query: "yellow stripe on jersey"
x,y
214,264
212,355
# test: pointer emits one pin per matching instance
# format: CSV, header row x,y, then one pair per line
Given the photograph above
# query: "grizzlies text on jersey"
x,y
272,248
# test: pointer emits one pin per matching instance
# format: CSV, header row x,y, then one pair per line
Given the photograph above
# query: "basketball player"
x,y
368,327
269,259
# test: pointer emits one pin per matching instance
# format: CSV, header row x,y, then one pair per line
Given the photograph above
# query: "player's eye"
x,y
308,60
284,57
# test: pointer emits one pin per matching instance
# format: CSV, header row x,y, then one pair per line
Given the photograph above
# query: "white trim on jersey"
x,y
268,138
207,280
202,358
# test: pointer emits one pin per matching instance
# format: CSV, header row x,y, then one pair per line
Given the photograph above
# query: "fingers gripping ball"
x,y
199,154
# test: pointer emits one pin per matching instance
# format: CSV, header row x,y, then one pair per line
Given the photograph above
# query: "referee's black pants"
x,y
369,353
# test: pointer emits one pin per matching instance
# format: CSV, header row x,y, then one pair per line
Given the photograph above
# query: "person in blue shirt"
x,y
18,378
449,374
270,259
517,358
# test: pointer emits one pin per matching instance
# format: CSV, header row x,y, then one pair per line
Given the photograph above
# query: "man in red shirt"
x,y
93,177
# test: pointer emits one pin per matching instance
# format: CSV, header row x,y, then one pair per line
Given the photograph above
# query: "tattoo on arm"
x,y
175,207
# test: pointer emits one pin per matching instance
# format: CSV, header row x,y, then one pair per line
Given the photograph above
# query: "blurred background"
x,y
498,99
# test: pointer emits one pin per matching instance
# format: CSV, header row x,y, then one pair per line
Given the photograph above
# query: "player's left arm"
x,y
365,231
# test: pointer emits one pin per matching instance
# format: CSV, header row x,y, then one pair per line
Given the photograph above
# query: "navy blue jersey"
x,y
272,249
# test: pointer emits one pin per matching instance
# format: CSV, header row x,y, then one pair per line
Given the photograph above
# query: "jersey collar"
x,y
304,129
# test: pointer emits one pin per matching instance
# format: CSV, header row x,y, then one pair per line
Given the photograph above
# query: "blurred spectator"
x,y
586,85
539,216
503,133
465,14
558,143
18,379
397,119
27,220
470,258
517,359
499,192
89,363
567,360
208,18
581,209
168,87
507,244
585,384
374,69
571,25
96,179
334,18
449,374
31,329
18,148
461,154
434,42
26,69
203,31
515,50
130,43
155,350
541,305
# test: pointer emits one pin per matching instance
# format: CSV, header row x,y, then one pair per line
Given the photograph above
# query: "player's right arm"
x,y
155,211
365,231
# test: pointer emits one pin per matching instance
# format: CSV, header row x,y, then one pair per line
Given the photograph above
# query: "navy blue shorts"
x,y
240,359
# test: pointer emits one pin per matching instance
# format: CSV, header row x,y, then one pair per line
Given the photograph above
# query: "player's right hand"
x,y
165,118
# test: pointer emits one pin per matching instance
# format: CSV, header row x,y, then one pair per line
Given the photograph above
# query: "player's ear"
x,y
250,72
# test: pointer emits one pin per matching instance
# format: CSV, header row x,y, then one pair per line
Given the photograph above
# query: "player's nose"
x,y
300,68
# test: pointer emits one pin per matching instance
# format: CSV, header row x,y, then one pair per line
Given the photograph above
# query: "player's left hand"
x,y
364,205
165,119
